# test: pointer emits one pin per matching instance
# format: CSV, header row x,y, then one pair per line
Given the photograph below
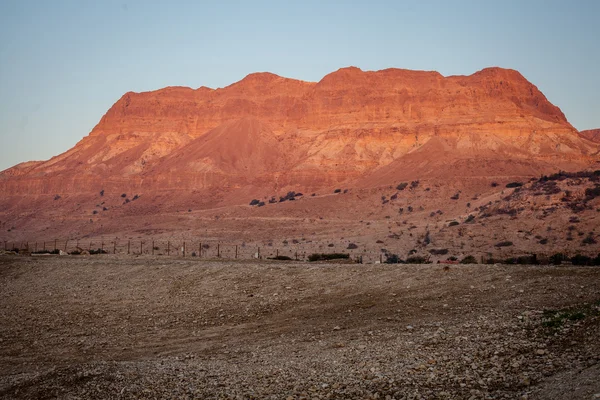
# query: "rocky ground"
x,y
149,327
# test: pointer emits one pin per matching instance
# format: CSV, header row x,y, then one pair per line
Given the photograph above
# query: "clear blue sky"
x,y
64,63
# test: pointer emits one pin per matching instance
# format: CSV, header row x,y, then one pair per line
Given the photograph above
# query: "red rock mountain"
x,y
271,132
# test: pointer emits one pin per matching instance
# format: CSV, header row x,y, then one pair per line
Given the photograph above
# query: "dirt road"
x,y
125,327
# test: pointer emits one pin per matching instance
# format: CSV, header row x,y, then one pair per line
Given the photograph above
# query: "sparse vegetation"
x,y
438,252
124,195
469,260
417,260
514,184
337,190
280,258
505,243
393,259
402,186
328,256
57,197
352,246
453,223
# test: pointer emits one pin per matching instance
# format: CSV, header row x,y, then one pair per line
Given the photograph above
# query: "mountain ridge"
x,y
343,128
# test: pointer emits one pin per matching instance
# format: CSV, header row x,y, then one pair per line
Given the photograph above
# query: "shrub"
x,y
414,184
102,192
582,260
95,212
591,193
254,202
124,195
57,197
456,196
280,258
402,186
505,243
98,251
438,252
470,219
330,245
352,246
393,259
417,260
543,241
468,260
272,200
135,197
558,258
589,240
328,256
514,184
453,223
494,184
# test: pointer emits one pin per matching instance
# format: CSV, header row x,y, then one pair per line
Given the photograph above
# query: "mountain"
x,y
181,149
352,123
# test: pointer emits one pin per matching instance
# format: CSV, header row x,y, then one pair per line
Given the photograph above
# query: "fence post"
x,y
114,247
236,251
152,246
218,250
128,246
200,250
168,247
66,243
276,252
258,253
184,248
380,258
141,247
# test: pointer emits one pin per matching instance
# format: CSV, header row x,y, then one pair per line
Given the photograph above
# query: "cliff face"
x,y
270,131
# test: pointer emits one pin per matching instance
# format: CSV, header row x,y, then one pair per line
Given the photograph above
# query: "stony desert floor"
x,y
74,327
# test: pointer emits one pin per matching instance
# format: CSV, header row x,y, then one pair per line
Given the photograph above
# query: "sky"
x,y
63,64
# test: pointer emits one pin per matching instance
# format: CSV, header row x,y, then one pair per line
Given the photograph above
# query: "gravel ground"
x,y
124,327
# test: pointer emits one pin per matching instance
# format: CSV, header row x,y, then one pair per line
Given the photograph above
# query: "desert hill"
x,y
208,152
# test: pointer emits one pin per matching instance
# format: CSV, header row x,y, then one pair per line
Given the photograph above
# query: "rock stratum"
x,y
267,132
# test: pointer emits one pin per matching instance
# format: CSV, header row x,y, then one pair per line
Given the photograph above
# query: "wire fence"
x,y
181,248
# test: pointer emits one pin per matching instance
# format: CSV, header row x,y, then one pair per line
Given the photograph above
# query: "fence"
x,y
183,248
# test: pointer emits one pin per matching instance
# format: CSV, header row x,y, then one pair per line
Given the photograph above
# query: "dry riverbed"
x,y
124,327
